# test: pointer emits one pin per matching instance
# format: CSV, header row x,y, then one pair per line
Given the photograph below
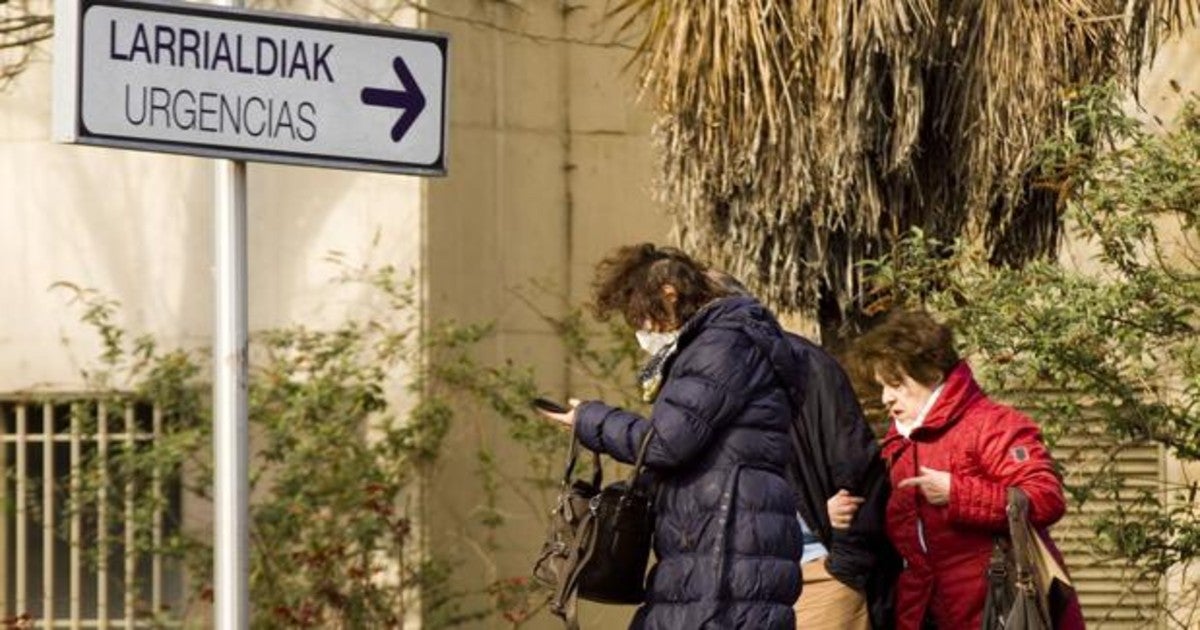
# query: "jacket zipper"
x,y
917,503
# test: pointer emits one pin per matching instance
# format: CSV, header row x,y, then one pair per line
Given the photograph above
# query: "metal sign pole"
x,y
230,425
348,95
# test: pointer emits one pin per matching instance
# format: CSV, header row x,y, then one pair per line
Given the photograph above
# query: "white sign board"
x,y
251,85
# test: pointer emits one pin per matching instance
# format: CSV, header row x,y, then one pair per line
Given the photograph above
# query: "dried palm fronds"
x,y
799,137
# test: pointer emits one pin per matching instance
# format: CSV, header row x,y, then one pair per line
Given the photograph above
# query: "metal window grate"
x,y
61,567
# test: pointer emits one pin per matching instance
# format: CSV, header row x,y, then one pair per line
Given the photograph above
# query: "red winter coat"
x,y
986,447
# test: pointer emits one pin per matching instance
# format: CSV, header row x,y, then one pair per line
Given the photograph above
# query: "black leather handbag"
x,y
599,539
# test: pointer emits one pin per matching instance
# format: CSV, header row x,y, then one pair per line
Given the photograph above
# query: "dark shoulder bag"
x,y
1020,580
598,544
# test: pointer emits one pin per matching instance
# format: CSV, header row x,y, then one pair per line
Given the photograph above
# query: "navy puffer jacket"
x,y
726,535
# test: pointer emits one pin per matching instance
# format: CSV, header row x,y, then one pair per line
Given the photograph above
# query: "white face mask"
x,y
653,342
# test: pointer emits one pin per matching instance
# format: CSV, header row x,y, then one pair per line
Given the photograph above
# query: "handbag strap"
x,y
597,471
1024,546
640,464
567,596
572,457
1019,532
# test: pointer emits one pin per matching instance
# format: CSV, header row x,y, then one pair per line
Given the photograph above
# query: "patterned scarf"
x,y
650,377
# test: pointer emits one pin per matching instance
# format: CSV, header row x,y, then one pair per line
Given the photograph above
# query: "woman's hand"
x,y
842,508
934,484
567,419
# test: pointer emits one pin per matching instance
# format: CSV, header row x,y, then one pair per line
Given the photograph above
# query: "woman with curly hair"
x,y
726,536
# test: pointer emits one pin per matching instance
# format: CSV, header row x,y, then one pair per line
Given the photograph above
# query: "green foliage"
x,y
334,474
1102,347
337,471
600,362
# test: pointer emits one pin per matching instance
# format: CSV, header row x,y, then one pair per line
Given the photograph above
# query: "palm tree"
x,y
800,137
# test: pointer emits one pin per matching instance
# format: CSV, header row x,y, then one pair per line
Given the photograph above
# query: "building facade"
x,y
550,165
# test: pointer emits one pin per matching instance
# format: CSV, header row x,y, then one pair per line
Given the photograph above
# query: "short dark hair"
x,y
909,343
630,281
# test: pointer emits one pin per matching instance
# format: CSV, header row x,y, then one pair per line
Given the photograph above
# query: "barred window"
x,y
60,565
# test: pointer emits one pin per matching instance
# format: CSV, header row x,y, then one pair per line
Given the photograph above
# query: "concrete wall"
x,y
551,167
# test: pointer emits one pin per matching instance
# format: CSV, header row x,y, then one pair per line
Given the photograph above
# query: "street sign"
x,y
250,85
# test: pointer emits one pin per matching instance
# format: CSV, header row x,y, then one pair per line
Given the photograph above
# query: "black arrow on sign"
x,y
410,99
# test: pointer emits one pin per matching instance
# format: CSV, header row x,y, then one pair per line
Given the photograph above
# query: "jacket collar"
x,y
958,393
740,312
906,429
742,309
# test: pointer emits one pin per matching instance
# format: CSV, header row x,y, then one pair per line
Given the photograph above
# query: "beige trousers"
x,y
826,603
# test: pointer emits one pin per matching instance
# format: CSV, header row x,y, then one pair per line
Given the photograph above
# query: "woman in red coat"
x,y
952,453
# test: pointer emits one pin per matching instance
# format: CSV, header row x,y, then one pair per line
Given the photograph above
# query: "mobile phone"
x,y
545,404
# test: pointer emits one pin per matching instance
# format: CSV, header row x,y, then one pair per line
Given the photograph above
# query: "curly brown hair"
x,y
631,279
909,343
